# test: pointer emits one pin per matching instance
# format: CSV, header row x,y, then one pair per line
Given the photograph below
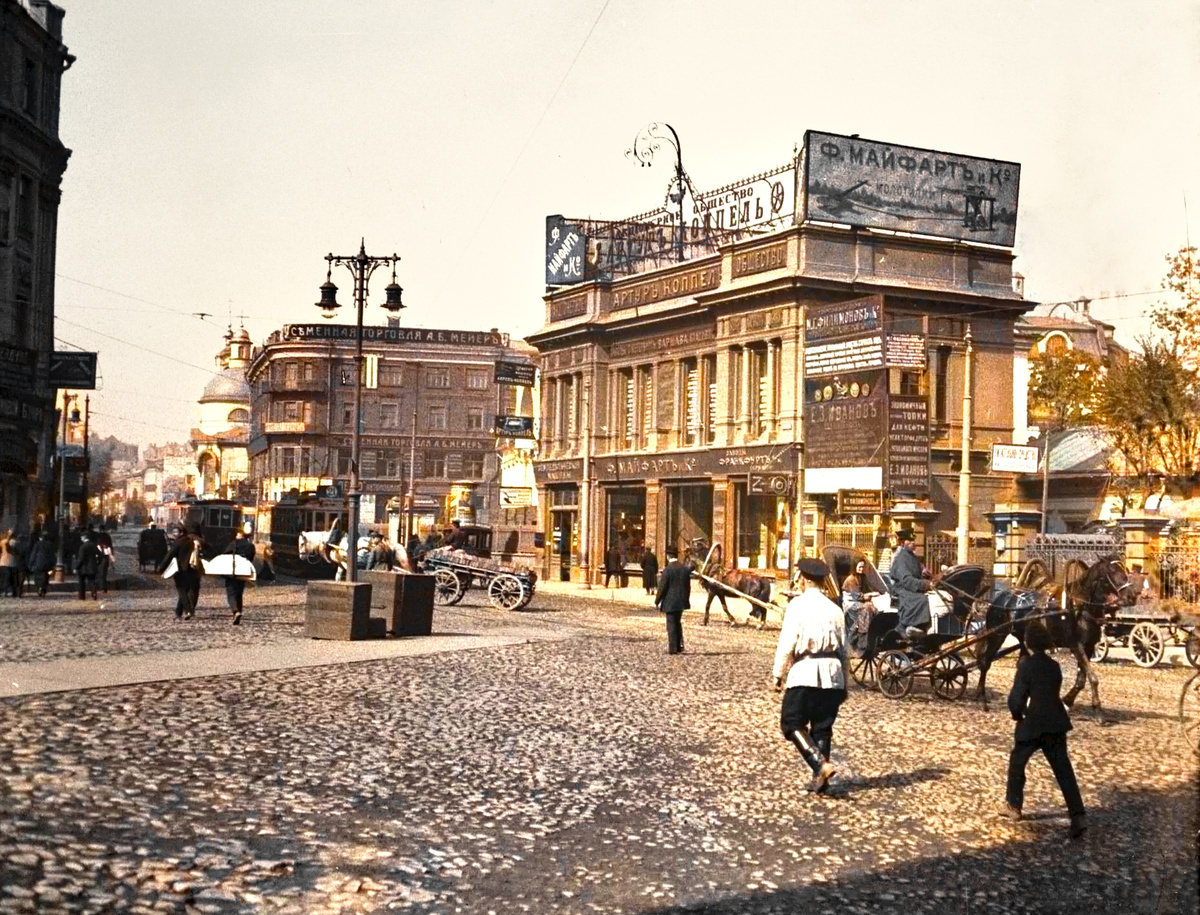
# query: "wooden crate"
x,y
413,615
338,610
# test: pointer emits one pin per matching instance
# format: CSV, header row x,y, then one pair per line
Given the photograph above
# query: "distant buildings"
x,y
32,163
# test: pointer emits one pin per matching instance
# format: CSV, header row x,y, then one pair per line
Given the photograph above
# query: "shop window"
x,y
689,514
626,523
762,530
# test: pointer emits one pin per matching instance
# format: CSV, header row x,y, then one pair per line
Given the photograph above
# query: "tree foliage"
x,y
1063,387
1181,323
1150,407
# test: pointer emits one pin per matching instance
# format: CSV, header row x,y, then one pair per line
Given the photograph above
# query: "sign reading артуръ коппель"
x,y
377,334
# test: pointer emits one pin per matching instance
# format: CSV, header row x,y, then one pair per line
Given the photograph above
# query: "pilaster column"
x,y
772,390
725,381
744,411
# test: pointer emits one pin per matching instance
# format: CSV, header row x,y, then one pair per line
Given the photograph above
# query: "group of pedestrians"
x,y
87,554
187,553
810,668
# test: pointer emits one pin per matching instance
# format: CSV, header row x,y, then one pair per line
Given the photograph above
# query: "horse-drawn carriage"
x,y
455,571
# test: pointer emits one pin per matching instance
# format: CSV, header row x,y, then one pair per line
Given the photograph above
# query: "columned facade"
x,y
695,431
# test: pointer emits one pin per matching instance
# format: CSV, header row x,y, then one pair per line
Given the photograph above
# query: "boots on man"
x,y
823,770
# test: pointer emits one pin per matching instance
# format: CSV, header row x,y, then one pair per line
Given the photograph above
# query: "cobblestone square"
x,y
580,769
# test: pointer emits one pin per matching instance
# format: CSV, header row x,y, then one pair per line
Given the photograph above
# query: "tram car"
x,y
280,525
215,519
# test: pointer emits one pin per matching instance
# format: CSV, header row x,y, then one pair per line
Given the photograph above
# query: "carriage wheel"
x,y
446,587
1100,651
949,676
894,674
526,597
1189,712
1191,648
506,592
862,669
1148,644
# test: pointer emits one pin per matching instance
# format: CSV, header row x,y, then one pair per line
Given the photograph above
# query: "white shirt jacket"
x,y
812,625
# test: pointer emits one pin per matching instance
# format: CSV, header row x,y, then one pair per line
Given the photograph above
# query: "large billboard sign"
x,y
761,201
395,335
566,252
73,370
907,189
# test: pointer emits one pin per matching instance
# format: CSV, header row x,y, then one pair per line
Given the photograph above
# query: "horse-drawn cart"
x,y
1146,629
455,571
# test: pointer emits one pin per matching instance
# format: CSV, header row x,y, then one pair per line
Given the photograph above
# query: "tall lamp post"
x,y
361,266
60,564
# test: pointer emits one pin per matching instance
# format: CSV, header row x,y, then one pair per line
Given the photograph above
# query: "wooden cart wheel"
x,y
446,587
1100,652
1147,644
862,669
949,676
1189,712
894,674
1191,648
526,597
506,592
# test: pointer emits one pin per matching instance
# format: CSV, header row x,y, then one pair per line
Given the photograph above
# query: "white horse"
x,y
314,549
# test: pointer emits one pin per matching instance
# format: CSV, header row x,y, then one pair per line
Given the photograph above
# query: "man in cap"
x,y
909,586
674,590
813,642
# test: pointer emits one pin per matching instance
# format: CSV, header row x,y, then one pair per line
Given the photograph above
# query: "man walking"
x,y
674,590
235,586
187,573
41,562
87,564
813,642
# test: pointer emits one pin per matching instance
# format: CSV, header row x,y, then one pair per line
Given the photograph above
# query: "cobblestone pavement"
x,y
591,774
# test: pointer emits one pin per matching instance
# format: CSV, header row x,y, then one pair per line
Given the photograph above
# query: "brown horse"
x,y
1090,594
732,583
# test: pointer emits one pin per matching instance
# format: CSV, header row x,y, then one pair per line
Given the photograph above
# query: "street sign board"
x,y
393,335
73,370
566,252
859,502
516,496
769,484
517,373
515,426
1015,458
17,367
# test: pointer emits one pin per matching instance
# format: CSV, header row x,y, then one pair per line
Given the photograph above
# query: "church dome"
x,y
227,386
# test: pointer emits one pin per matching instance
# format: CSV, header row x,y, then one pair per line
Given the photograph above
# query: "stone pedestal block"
x,y
338,610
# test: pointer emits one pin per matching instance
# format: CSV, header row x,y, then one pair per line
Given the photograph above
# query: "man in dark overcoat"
x,y
187,579
674,596
909,586
235,587
649,570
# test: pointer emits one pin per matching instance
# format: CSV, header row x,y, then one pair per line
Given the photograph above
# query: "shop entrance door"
x,y
564,542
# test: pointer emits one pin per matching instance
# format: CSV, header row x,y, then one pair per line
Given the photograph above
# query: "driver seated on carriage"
x,y
910,587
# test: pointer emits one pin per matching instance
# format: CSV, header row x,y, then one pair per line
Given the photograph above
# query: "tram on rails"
x,y
215,519
280,525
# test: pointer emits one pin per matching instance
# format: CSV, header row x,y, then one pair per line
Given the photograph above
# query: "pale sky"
x,y
221,149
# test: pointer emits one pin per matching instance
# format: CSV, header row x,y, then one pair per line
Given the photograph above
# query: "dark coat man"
x,y
674,596
1042,724
909,587
612,565
234,586
42,559
649,571
456,537
87,565
187,579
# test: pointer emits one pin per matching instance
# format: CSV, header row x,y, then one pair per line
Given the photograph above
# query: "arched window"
x,y
239,416
1056,345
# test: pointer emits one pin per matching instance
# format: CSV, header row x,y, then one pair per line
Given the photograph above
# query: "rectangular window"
x,y
435,466
291,374
342,462
472,466
291,411
629,406
477,381
29,94
437,378
347,414
763,405
691,403
909,382
389,414
646,406
942,382
709,375
24,206
475,418
391,376
287,462
306,467
437,418
310,371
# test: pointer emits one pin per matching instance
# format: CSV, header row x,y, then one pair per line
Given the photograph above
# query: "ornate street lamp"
x,y
361,266
648,142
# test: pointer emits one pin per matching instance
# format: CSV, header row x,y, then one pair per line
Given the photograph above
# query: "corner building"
x,y
684,402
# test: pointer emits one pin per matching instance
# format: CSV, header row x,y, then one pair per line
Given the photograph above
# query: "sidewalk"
x,y
22,679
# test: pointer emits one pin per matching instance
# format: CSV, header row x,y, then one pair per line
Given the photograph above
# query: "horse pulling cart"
x,y
1146,630
455,571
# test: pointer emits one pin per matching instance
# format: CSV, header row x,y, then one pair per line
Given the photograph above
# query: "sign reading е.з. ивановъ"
x,y
908,189
377,334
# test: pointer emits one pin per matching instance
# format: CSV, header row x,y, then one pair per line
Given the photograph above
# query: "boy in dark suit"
x,y
1042,724
674,589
